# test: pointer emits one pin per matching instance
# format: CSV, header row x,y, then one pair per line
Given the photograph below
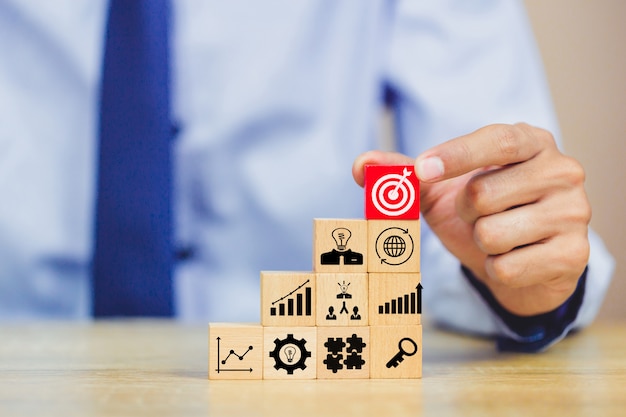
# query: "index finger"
x,y
491,145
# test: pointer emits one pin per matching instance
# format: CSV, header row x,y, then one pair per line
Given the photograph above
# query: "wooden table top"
x,y
159,368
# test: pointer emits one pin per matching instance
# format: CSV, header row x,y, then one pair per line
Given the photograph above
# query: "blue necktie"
x,y
133,255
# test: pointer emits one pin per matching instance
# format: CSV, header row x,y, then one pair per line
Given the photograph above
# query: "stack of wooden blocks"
x,y
356,315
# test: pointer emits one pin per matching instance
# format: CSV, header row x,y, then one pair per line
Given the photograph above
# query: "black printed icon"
x,y
335,360
394,246
230,354
299,306
290,354
341,236
405,304
407,347
331,314
343,295
355,315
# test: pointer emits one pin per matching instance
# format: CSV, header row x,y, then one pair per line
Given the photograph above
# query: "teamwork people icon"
x,y
343,295
391,193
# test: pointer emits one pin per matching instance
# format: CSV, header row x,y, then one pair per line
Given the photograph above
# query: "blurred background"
x,y
582,45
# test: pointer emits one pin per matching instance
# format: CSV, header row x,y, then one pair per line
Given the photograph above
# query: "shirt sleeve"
x,y
452,68
537,332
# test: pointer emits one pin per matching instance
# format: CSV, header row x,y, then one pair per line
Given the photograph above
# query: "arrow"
x,y
218,355
393,194
419,298
236,370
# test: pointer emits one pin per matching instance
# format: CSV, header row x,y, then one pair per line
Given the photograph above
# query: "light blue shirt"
x,y
274,100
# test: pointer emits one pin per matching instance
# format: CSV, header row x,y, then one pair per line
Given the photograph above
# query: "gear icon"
x,y
297,345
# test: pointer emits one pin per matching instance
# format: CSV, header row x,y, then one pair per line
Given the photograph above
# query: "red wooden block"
x,y
391,192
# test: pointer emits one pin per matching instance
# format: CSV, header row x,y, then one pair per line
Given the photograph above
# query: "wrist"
x,y
532,332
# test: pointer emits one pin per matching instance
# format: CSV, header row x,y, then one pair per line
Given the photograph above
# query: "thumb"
x,y
429,168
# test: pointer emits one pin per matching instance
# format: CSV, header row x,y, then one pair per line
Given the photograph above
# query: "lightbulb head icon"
x,y
342,254
341,235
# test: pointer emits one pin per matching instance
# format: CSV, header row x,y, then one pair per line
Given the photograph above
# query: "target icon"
x,y
392,195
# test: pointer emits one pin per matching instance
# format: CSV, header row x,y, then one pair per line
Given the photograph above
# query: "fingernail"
x,y
430,169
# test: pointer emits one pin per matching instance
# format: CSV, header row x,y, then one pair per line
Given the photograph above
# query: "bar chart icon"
x,y
296,303
410,303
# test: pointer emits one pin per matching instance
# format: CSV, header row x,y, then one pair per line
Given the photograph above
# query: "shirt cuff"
x,y
532,333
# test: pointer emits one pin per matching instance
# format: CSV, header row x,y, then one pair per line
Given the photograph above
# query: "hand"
x,y
510,207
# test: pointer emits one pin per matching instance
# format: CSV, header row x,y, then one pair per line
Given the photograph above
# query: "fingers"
x,y
500,189
494,145
532,224
527,266
377,158
541,237
512,208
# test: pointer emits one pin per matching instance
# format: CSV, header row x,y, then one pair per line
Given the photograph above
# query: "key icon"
x,y
407,347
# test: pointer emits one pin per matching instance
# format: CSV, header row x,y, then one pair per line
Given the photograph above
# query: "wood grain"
x,y
287,298
149,368
393,246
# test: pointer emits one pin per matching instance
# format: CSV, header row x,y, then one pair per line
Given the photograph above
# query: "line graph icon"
x,y
232,352
392,192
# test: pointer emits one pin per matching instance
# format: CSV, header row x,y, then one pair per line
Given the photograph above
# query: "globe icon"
x,y
394,246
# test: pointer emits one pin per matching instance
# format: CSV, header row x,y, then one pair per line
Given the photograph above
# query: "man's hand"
x,y
510,207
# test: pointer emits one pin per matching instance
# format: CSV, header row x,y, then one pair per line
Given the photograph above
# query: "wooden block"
x,y
391,192
395,299
342,299
343,352
287,298
289,352
339,245
396,352
235,351
394,246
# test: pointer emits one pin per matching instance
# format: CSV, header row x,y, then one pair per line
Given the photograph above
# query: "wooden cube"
x,y
343,352
235,351
396,352
339,245
395,299
393,246
287,298
290,352
391,192
342,299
